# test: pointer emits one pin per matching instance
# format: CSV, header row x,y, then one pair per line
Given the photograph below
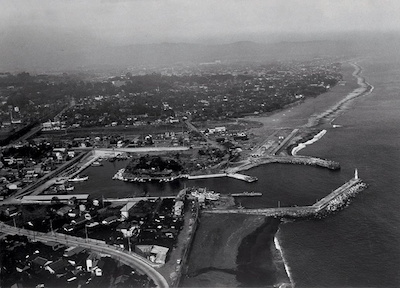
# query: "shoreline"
x,y
278,247
364,89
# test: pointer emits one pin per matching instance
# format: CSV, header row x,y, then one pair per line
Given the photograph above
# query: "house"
x,y
39,263
54,245
160,254
155,253
143,250
178,208
220,129
11,211
127,228
79,221
91,262
63,210
98,270
125,210
71,251
58,267
110,220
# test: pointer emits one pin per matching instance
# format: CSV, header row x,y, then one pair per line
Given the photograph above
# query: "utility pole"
x,y
129,243
86,233
51,227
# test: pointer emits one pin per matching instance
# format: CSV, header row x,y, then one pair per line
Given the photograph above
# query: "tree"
x,y
55,200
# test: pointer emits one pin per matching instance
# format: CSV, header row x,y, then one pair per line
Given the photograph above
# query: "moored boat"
x,y
79,178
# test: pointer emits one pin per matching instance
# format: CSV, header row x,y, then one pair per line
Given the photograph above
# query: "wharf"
x,y
206,176
247,194
242,177
237,176
137,199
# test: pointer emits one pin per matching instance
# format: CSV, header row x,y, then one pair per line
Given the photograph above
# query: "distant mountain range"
x,y
63,52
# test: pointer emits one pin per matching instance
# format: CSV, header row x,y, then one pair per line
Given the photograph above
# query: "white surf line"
x,y
287,268
301,146
336,108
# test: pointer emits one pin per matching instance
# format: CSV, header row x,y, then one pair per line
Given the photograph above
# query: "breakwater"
x,y
330,203
302,160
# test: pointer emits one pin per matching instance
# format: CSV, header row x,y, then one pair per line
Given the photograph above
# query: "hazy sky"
x,y
143,21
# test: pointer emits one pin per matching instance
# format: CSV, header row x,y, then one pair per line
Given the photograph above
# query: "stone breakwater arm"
x,y
304,160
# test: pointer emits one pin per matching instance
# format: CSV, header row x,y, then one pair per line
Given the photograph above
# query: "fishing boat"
x,y
97,164
69,188
79,178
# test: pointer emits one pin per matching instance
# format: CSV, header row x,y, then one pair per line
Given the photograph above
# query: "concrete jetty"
x,y
327,204
242,177
237,176
247,194
206,176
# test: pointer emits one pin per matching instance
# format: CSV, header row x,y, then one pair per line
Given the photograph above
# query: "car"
x,y
178,261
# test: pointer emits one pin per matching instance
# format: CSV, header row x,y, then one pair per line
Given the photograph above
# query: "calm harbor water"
x,y
360,245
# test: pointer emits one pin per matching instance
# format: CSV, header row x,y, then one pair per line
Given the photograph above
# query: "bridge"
x,y
128,258
328,203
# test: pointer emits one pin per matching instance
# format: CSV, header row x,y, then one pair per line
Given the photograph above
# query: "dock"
x,y
247,194
206,176
242,177
246,178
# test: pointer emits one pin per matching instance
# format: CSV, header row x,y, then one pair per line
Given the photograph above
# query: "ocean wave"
x,y
287,268
301,146
333,112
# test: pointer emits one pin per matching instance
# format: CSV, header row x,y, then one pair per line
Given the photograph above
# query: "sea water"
x,y
360,245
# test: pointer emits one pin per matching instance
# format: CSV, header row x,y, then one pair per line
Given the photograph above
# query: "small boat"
x,y
69,188
79,179
97,164
60,181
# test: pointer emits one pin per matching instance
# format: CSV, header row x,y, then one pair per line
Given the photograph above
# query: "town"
x,y
170,124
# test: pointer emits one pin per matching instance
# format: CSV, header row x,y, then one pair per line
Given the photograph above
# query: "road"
x,y
209,141
128,258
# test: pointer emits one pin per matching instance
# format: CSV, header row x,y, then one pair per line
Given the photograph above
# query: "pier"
x,y
327,204
247,194
246,178
206,176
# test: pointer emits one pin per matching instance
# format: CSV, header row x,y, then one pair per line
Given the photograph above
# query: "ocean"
x,y
358,246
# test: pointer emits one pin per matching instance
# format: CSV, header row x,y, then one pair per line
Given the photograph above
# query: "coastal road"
x,y
128,258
